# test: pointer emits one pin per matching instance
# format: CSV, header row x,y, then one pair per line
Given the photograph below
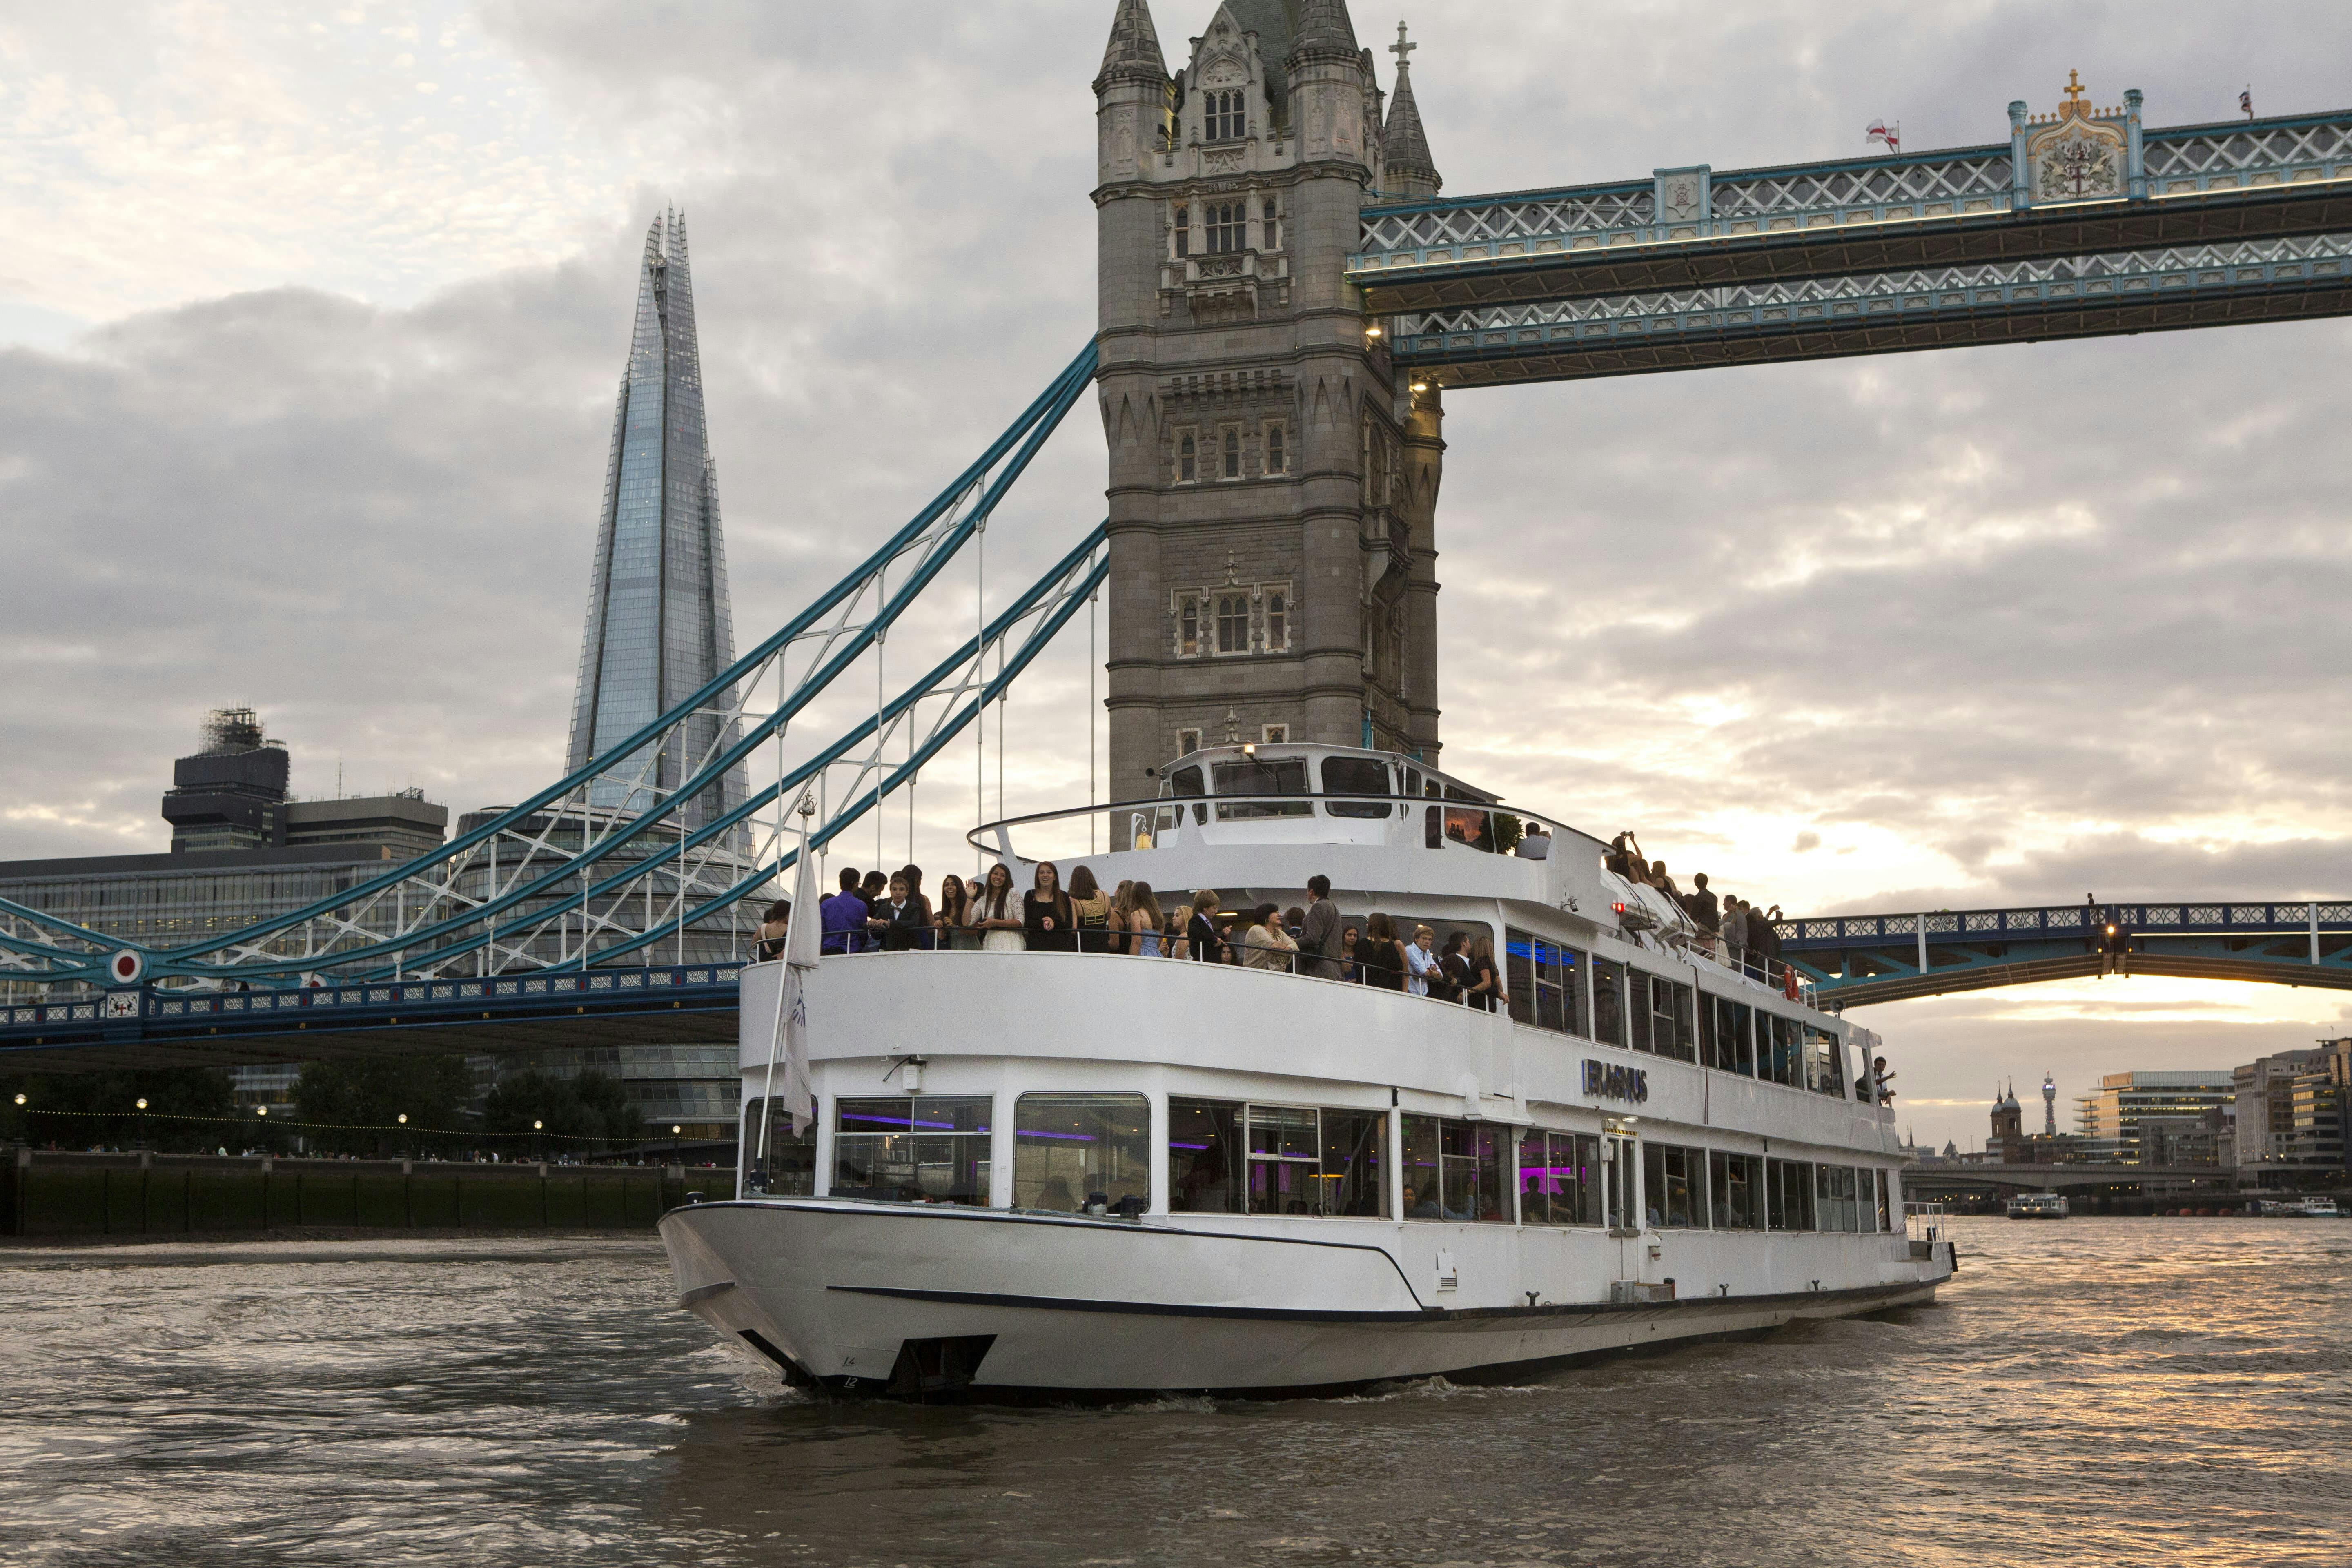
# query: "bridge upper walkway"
x,y
1857,959
2208,225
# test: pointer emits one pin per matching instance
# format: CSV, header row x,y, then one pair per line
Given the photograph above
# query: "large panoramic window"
x,y
1227,1158
1454,1170
1662,1017
1789,1194
916,1148
1258,776
1736,1185
1071,1150
1675,1185
1560,1179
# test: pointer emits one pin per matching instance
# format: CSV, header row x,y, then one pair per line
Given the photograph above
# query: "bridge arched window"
x,y
1228,224
1188,460
1271,227
1183,230
1227,117
1233,623
1232,455
1277,624
1278,451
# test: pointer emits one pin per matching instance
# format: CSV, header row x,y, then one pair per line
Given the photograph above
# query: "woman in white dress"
x,y
997,913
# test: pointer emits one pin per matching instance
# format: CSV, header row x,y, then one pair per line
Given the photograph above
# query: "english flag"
x,y
1879,132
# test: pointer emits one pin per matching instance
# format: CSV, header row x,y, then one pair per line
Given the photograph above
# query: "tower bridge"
x,y
1285,298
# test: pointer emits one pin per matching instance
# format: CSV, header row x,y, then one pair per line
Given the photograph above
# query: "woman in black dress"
x,y
1045,917
1382,954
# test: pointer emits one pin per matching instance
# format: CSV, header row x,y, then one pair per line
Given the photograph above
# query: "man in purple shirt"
x,y
844,916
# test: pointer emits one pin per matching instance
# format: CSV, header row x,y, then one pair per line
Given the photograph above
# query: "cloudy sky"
x,y
312,321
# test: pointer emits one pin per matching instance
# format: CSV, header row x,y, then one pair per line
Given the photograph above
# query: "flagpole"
x,y
776,1033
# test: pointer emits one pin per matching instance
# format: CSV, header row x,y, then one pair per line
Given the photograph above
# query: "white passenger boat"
x,y
2039,1206
1070,1174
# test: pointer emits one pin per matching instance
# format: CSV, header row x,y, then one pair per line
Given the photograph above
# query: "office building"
x,y
2136,1117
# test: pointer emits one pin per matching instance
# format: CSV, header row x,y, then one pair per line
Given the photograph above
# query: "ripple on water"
x,y
2174,1391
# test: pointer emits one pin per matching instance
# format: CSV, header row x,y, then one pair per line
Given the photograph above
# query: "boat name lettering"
x,y
1610,1082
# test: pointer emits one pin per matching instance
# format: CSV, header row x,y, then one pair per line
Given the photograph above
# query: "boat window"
x,y
1187,782
1467,825
1261,775
1824,1062
1885,1205
1789,1194
1356,775
1837,1206
1071,1151
1777,1054
1560,1179
788,1169
1618,1160
1608,1002
1546,982
923,1148
1675,1185
1736,1188
1413,783
1224,1158
1454,1170
1662,1017
1204,1160
1729,1042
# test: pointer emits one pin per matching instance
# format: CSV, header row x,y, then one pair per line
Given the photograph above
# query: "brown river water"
x,y
2159,1390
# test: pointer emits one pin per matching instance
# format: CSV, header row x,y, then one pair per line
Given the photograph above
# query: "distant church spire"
x,y
1404,145
1133,53
659,624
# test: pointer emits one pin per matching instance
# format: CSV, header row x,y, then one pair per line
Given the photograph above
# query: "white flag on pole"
x,y
802,944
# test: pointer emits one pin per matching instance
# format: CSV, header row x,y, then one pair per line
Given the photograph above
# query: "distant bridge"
x,y
1858,958
152,1026
1941,1178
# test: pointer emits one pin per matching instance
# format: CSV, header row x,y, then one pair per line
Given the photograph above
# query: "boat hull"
x,y
929,1302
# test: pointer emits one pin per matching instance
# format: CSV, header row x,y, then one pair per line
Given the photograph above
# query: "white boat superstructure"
x,y
2038,1206
1071,1174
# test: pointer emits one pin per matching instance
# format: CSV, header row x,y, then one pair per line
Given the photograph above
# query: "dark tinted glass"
x,y
1204,1160
1356,775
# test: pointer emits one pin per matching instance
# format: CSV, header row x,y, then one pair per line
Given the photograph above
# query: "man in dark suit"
x,y
899,918
1319,934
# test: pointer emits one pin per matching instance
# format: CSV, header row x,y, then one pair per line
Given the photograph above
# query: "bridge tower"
x,y
1273,479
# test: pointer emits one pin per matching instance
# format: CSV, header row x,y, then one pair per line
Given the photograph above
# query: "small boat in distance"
x,y
2298,1208
2038,1206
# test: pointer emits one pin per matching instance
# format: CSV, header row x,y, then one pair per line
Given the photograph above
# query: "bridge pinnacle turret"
x,y
1408,168
1133,53
1324,32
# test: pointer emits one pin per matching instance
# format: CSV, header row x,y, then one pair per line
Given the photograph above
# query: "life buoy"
x,y
1789,980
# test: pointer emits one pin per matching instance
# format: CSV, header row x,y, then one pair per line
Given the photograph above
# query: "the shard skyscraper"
x,y
658,627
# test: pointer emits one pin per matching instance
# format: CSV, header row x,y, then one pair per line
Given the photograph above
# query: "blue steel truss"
x,y
560,883
1858,958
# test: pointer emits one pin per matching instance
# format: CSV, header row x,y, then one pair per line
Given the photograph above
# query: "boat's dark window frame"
x,y
1885,1203
1369,778
1471,1153
1031,1193
1225,1121
1608,1016
791,1156
1789,1194
1559,1178
1734,1190
1664,1165
1257,775
955,1130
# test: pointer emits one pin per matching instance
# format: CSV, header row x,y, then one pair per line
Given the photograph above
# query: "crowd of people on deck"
x,y
872,911
1741,934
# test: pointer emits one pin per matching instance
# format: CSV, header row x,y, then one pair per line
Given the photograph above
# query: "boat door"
x,y
1620,1197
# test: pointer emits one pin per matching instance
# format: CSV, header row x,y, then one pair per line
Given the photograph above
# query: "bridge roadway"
x,y
148,1027
1858,958
2207,226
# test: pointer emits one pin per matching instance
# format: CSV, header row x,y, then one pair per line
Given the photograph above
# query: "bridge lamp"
x,y
143,1103
20,1100
1373,331
537,1125
403,1119
262,1111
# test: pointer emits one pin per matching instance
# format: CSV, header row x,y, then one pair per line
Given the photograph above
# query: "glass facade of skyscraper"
x,y
658,627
